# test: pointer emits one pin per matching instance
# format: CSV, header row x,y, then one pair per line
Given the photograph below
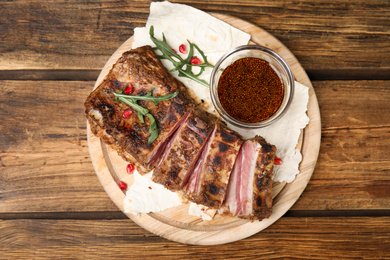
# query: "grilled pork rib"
x,y
249,189
182,152
194,153
143,70
209,180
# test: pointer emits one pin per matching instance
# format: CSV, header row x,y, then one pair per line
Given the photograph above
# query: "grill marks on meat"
x,y
249,190
209,180
262,183
182,151
143,70
194,153
239,195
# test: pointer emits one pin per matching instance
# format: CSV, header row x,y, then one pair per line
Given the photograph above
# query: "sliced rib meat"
x,y
191,147
250,186
141,69
182,152
208,182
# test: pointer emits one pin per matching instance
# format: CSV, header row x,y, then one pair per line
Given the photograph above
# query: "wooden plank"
x,y
352,171
309,238
353,104
82,35
45,164
50,74
354,155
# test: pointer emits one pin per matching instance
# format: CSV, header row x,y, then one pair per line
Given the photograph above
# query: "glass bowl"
x,y
277,63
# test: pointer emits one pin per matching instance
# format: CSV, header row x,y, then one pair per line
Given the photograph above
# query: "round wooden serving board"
x,y
175,224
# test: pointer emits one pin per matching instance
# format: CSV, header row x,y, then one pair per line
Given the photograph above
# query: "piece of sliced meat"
x,y
193,146
250,186
208,182
182,152
141,69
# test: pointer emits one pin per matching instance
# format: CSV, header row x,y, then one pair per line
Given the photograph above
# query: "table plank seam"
x,y
119,215
92,74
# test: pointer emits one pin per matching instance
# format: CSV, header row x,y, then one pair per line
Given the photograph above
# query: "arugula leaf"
x,y
140,109
178,62
152,129
149,97
187,73
143,111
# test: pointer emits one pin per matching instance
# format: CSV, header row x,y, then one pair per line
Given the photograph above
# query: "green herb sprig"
x,y
143,111
178,62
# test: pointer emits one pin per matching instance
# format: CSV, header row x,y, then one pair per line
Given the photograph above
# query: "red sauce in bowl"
x,y
250,90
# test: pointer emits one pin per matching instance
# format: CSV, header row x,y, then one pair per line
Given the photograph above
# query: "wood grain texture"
x,y
354,104
316,31
292,238
44,120
354,147
46,173
357,163
175,224
44,158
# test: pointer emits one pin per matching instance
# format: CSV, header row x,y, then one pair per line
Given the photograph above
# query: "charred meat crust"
x,y
142,69
249,190
217,168
109,140
262,183
175,169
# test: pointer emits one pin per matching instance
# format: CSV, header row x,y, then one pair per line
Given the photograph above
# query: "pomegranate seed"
x,y
130,168
128,90
278,161
182,48
122,185
127,113
195,61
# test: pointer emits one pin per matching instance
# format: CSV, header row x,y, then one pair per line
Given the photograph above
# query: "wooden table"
x,y
51,202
